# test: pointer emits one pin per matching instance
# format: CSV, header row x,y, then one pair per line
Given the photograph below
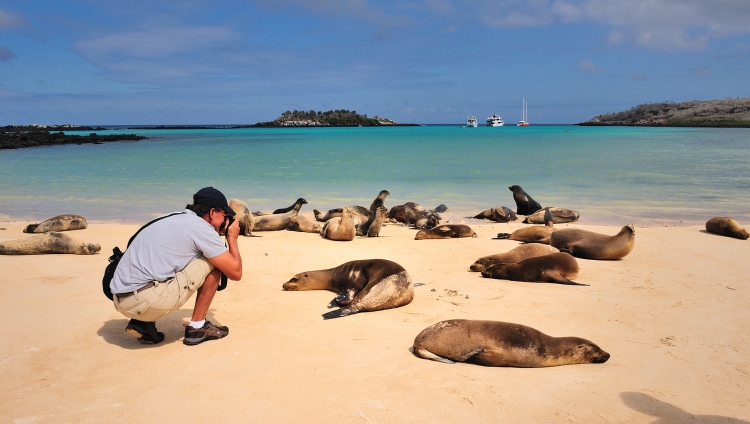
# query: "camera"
x,y
228,223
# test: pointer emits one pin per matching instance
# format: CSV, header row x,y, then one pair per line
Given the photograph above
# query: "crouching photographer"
x,y
170,259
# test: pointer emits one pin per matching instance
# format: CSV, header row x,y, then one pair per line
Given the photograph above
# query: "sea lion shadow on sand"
x,y
667,413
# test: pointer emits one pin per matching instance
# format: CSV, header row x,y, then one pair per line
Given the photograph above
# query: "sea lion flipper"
x,y
338,313
547,217
559,279
502,235
564,250
426,354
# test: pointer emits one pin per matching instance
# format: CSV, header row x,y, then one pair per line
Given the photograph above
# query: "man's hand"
x,y
233,231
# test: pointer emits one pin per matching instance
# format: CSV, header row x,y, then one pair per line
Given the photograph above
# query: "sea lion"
x,y
398,214
51,242
336,212
726,226
243,215
556,268
591,245
525,205
362,286
446,231
305,224
65,222
340,228
274,222
524,251
380,200
535,234
498,214
440,209
296,205
420,217
559,216
502,344
371,228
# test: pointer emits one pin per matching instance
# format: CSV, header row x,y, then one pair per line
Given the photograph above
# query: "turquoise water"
x,y
610,175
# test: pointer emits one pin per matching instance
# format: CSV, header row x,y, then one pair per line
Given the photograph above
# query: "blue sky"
x,y
426,61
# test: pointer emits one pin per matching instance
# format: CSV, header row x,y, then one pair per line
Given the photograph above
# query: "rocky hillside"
x,y
711,113
332,118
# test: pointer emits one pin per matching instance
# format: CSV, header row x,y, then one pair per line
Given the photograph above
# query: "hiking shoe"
x,y
144,331
194,336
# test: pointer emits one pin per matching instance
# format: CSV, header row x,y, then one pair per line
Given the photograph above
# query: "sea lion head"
x,y
576,350
494,271
628,228
89,248
301,201
384,193
302,281
421,234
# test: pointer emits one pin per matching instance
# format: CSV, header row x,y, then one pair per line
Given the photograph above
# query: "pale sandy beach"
x,y
673,315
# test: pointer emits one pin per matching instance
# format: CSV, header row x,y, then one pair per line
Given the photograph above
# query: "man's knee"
x,y
212,279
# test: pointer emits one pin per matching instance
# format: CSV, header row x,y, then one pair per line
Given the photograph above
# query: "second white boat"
x,y
495,121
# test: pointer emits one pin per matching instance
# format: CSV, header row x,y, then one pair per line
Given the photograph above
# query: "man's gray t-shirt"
x,y
164,248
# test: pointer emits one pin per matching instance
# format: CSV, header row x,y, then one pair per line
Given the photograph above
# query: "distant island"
x,y
728,113
332,118
20,136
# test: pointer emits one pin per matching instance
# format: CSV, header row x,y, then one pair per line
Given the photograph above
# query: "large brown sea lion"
x,y
559,216
525,205
556,268
535,234
275,222
524,251
498,214
380,200
590,245
243,215
362,286
398,214
305,224
446,231
420,217
502,344
336,212
51,242
726,226
65,222
371,228
340,228
296,205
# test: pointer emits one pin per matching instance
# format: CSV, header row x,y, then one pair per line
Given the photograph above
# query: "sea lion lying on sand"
x,y
591,245
336,213
502,344
275,222
498,214
362,286
51,242
65,222
296,205
525,205
559,216
446,231
556,268
726,226
243,215
305,224
535,234
524,251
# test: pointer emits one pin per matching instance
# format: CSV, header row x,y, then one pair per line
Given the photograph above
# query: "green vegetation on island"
x,y
727,113
332,118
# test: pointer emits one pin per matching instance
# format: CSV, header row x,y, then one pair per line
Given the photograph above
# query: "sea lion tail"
x,y
338,313
570,282
501,236
30,228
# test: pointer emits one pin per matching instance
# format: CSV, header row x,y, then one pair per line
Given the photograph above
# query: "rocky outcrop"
x,y
21,139
711,113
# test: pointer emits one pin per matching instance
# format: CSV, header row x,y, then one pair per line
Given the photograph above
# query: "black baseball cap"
x,y
210,196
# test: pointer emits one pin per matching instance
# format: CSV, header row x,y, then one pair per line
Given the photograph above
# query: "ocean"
x,y
611,175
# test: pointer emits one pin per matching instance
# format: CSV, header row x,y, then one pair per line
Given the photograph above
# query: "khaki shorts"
x,y
165,297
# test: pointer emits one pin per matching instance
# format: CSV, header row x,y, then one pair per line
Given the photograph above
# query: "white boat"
x,y
495,121
523,122
471,122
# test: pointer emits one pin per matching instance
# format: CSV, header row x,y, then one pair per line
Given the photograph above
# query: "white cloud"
x,y
657,24
587,66
156,43
10,20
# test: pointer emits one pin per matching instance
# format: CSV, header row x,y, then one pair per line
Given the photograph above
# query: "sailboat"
x,y
523,122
